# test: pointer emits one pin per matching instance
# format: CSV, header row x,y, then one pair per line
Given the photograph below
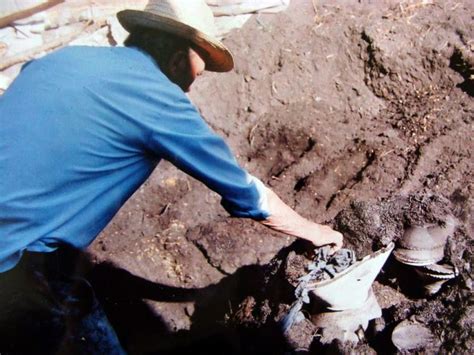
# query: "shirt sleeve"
x,y
178,134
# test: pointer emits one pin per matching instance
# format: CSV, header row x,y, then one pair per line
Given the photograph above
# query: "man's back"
x,y
68,119
81,129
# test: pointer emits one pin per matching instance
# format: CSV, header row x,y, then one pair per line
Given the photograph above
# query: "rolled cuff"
x,y
255,203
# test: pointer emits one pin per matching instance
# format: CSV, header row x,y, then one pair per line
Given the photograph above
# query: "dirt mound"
x,y
397,287
361,111
368,227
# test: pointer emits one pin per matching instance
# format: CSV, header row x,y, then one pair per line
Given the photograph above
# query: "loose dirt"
x,y
358,114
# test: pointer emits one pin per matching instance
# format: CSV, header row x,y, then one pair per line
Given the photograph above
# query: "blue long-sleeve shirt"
x,y
81,129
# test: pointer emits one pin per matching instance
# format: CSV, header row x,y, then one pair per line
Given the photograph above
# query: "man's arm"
x,y
178,134
286,220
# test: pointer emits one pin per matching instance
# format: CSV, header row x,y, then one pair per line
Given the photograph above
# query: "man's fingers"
x,y
332,238
339,241
335,247
332,249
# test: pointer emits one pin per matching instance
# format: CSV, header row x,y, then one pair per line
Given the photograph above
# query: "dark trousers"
x,y
46,307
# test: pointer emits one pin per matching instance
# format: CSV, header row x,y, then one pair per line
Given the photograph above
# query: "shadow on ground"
x,y
213,331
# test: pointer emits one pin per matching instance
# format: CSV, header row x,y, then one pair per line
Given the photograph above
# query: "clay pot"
x,y
351,288
424,245
347,325
435,275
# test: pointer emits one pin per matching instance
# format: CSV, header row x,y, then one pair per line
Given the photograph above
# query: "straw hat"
x,y
188,19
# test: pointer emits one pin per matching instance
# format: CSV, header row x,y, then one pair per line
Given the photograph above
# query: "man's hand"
x,y
286,220
328,236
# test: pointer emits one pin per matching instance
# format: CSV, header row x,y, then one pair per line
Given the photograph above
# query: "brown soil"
x,y
360,110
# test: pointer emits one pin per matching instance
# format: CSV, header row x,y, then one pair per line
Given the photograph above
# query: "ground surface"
x,y
361,107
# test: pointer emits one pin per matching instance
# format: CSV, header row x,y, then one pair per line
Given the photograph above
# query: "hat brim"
x,y
217,57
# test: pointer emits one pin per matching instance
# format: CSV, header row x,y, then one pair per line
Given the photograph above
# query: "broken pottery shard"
x,y
419,257
441,271
324,265
424,245
409,335
435,275
441,233
417,238
345,325
350,299
351,288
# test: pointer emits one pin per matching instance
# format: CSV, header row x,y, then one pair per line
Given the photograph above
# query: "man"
x,y
80,130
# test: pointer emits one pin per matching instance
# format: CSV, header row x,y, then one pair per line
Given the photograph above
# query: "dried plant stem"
x,y
6,20
34,52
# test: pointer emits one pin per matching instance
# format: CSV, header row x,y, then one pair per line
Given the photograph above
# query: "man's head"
x,y
178,58
185,34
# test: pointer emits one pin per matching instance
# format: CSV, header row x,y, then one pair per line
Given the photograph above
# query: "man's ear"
x,y
178,63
